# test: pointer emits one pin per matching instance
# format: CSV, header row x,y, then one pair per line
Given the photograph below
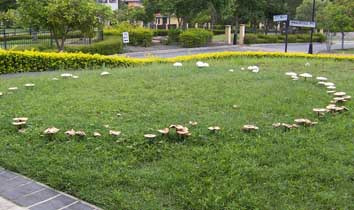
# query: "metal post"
x,y
5,44
286,35
313,19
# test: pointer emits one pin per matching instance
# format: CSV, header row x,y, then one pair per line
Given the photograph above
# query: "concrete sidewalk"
x,y
21,193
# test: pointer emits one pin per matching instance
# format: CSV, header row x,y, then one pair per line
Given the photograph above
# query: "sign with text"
x,y
125,37
305,24
280,18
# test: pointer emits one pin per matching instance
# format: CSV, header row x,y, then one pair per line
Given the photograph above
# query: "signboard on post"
x,y
305,24
280,18
125,37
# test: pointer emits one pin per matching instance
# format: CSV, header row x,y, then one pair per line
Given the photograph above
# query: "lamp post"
x,y
313,20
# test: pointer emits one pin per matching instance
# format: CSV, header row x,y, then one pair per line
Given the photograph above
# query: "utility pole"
x,y
313,20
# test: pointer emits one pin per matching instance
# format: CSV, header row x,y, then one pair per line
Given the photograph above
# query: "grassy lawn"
x,y
219,38
307,168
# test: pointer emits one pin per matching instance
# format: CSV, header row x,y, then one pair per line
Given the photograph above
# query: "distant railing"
x,y
27,38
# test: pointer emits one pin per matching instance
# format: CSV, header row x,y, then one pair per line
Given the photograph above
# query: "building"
x,y
112,3
133,3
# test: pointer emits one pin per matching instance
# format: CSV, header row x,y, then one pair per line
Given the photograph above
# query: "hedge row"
x,y
292,38
30,61
195,38
71,35
110,46
138,36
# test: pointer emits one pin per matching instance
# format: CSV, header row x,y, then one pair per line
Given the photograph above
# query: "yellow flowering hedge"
x,y
30,61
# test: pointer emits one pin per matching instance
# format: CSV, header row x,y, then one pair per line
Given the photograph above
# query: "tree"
x,y
7,4
337,17
304,11
63,16
9,18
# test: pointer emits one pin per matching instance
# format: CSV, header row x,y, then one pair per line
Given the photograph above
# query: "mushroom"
x,y
322,78
1,94
70,133
177,64
19,125
331,91
254,69
304,122
66,75
150,136
96,134
75,77
242,68
320,111
201,64
249,128
29,85
306,75
164,131
339,100
214,129
331,87
291,74
193,123
339,94
50,132
329,84
80,134
114,133
295,78
321,83
55,79
276,125
183,133
180,127
20,119
235,106
347,98
13,88
105,73
307,64
231,70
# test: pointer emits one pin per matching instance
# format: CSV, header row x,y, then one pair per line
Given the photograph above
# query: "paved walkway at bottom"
x,y
21,193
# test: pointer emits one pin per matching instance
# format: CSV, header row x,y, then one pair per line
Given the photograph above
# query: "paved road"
x,y
293,47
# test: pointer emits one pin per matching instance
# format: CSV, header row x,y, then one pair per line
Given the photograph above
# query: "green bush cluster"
x,y
39,36
173,36
111,45
292,38
138,36
161,32
195,38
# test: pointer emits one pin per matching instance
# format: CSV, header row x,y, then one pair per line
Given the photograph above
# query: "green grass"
x,y
219,38
310,168
346,51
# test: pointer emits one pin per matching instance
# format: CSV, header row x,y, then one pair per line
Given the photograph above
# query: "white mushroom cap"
x,y
307,64
242,68
80,133
331,91
303,121
319,110
214,128
291,74
114,133
55,79
164,131
183,133
306,75
329,84
96,134
347,97
177,64
19,124
201,64
66,75
150,136
321,83
20,119
70,132
231,70
105,73
1,94
322,78
340,94
295,78
331,87
13,88
339,99
75,77
249,127
51,131
193,123
29,85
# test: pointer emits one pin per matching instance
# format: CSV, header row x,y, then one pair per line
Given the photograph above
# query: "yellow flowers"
x,y
25,61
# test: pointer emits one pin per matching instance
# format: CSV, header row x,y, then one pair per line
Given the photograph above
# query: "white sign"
x,y
306,24
125,37
280,18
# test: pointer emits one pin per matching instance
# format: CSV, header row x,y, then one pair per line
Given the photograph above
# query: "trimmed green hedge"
x,y
110,46
173,36
161,32
39,36
138,36
195,38
292,38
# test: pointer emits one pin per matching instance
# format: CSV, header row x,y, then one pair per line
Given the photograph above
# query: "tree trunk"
x,y
343,40
237,25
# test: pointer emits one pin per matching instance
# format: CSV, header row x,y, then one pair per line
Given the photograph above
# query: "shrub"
x,y
292,38
173,36
141,37
111,45
161,32
31,61
195,38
